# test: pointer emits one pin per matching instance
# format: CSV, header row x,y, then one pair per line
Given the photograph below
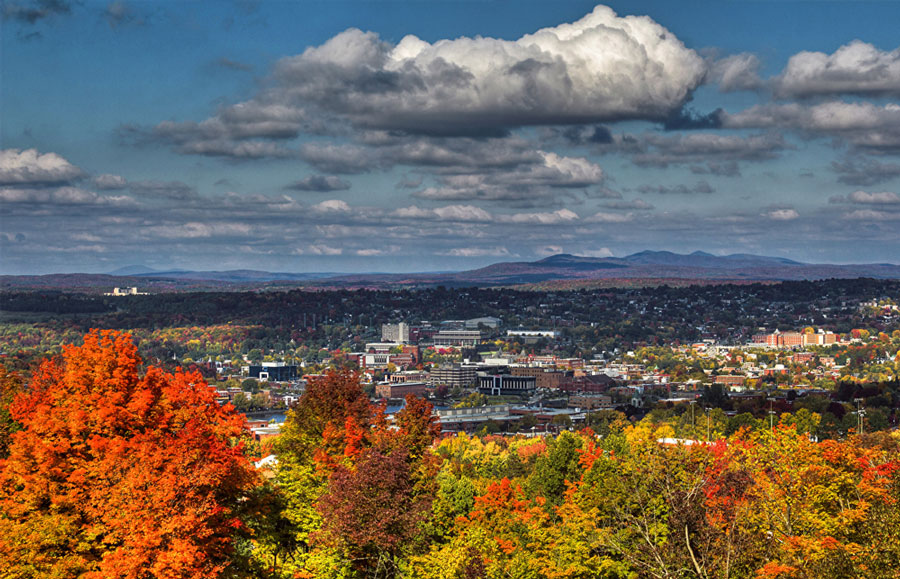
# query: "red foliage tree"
x,y
329,422
115,474
371,511
418,426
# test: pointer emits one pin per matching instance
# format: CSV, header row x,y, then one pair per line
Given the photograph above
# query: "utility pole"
x,y
771,400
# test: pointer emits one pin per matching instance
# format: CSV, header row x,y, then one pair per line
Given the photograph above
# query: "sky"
x,y
397,136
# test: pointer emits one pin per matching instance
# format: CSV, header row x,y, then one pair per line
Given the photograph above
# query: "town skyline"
x,y
401,137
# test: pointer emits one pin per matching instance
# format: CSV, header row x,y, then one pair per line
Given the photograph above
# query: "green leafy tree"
x,y
553,469
241,402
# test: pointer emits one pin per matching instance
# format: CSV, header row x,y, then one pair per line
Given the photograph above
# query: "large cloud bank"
x,y
601,67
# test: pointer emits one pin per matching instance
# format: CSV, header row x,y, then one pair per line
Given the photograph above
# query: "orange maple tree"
x,y
118,474
10,386
330,423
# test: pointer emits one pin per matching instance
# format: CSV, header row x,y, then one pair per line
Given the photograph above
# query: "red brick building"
x,y
401,390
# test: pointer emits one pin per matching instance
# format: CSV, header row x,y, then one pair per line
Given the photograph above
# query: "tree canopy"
x,y
120,473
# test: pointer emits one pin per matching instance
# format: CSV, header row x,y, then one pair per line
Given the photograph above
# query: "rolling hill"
x,y
645,265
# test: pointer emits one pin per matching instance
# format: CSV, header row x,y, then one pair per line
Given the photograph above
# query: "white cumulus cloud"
x,y
331,205
882,198
476,252
864,124
782,214
602,252
602,67
318,249
29,167
856,68
604,217
445,213
556,217
737,72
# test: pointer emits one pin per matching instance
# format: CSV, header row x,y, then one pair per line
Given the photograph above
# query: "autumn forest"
x,y
442,289
116,469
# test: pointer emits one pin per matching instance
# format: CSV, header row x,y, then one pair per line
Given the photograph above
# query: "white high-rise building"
x,y
398,333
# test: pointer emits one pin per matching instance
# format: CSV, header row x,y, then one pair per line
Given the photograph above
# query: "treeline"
x,y
108,471
591,321
729,304
55,302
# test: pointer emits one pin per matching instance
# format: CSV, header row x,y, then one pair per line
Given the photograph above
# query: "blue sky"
x,y
410,136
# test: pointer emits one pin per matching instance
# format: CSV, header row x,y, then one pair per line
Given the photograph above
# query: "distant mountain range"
x,y
646,265
666,265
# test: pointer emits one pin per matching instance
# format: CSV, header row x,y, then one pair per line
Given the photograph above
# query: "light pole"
x,y
707,423
860,415
771,414
693,424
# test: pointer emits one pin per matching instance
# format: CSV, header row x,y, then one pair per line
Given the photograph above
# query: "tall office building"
x,y
398,333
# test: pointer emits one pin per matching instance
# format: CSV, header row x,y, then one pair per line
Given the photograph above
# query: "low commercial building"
x,y
457,338
544,378
401,390
488,322
408,376
533,335
795,339
126,291
455,376
374,360
382,360
505,384
380,347
472,419
730,380
274,372
590,402
587,383
820,339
